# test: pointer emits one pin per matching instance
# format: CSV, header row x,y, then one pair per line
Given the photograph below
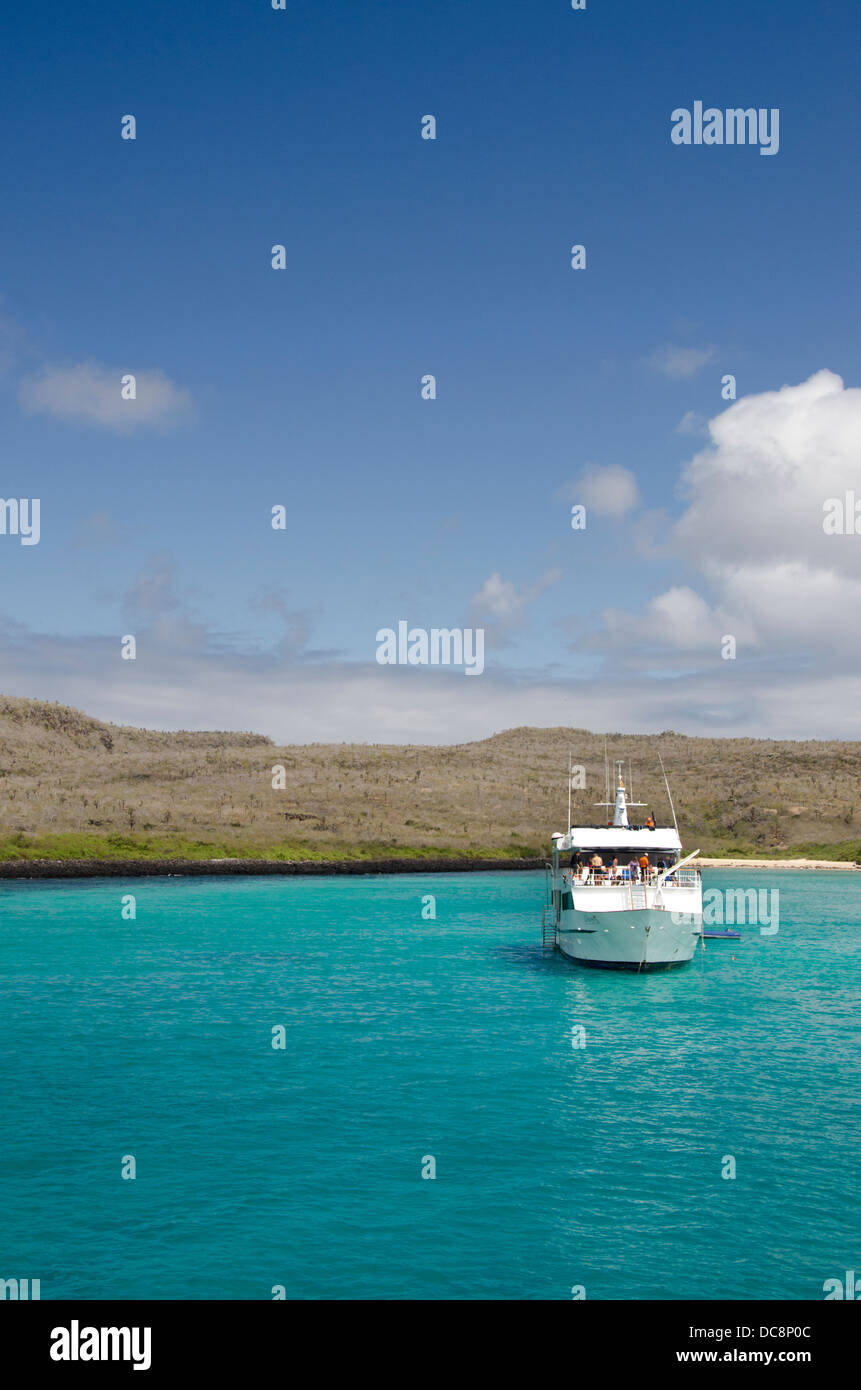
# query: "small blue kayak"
x,y
721,935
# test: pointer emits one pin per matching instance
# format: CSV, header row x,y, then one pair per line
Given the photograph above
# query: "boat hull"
x,y
629,939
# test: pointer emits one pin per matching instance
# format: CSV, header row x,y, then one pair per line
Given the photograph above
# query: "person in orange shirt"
x,y
644,867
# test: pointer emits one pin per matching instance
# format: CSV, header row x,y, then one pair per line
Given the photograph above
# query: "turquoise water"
x,y
405,1038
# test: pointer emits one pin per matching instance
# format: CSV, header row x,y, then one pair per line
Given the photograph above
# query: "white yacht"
x,y
621,896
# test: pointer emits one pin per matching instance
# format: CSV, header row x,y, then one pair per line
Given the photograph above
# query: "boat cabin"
x,y
580,847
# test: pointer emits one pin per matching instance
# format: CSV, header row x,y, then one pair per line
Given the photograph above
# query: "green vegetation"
x,y
847,852
124,847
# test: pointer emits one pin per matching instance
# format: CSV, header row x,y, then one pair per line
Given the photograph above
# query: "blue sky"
x,y
407,257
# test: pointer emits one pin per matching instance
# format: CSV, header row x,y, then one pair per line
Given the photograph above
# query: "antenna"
x,y
568,827
669,797
628,800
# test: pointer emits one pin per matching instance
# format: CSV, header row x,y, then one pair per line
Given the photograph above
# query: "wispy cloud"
x,y
502,607
607,491
92,395
97,529
680,363
204,684
692,423
153,592
297,623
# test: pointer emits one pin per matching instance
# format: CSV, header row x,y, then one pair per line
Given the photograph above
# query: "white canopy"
x,y
618,838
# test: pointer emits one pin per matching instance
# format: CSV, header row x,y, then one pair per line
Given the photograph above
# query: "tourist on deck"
x,y
644,867
650,821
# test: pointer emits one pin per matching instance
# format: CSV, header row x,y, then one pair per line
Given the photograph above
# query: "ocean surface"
x,y
410,1038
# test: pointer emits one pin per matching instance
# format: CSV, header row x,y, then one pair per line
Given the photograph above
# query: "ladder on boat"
x,y
550,912
638,895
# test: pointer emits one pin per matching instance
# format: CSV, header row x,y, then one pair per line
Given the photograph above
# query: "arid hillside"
x,y
71,784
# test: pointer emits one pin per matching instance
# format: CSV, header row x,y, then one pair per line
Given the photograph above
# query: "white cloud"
x,y
790,606
680,363
498,598
90,394
205,686
756,493
753,529
607,491
678,618
500,603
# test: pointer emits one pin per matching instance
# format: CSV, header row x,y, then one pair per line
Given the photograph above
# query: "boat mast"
x,y
669,797
568,827
620,808
621,803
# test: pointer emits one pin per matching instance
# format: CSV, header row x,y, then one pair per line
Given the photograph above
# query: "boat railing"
x,y
679,878
684,878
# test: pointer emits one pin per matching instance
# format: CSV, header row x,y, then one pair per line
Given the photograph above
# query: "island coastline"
x,y
160,868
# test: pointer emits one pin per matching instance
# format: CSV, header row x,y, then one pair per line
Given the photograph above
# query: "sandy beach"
x,y
777,864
